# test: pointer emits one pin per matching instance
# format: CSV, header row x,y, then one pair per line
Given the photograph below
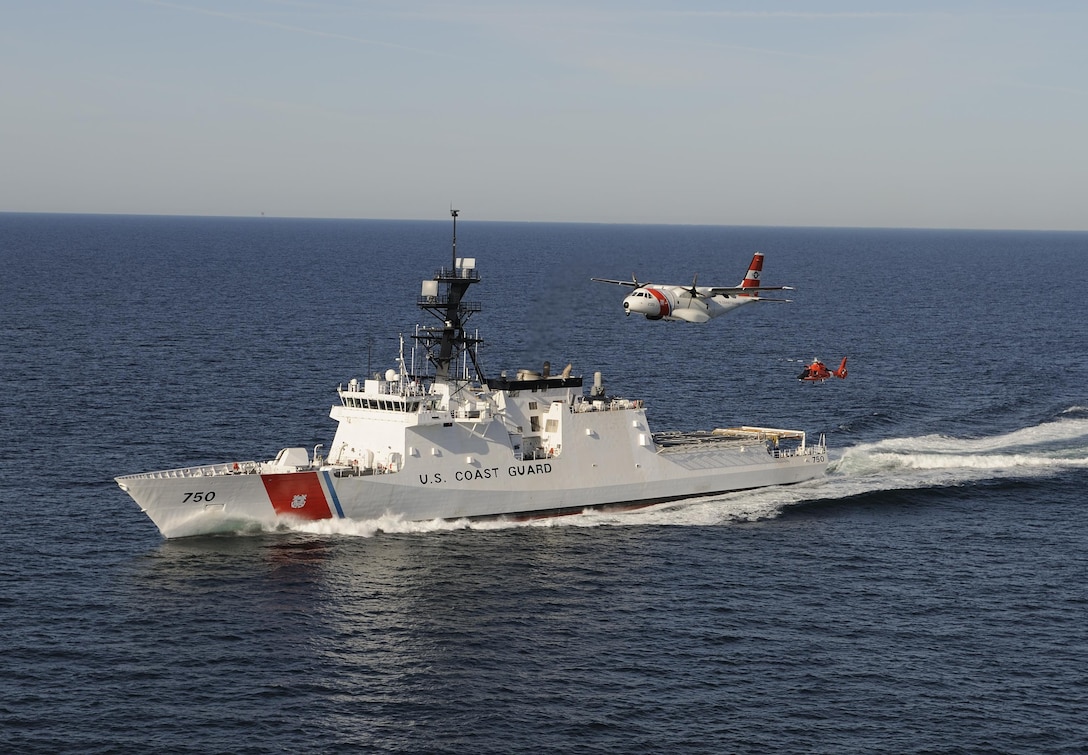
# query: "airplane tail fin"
x,y
841,372
755,271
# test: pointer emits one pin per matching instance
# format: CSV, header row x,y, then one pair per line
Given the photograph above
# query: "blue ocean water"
x,y
929,595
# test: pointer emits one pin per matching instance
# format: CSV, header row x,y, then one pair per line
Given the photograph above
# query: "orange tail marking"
x,y
755,271
841,372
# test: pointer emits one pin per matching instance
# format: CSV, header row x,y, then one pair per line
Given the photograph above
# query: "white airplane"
x,y
694,303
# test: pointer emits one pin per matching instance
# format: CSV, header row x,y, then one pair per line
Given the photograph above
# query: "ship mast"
x,y
443,297
453,256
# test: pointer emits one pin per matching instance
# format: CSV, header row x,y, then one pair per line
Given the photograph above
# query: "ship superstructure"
x,y
435,439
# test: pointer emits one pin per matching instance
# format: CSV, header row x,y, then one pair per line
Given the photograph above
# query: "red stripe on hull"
x,y
297,494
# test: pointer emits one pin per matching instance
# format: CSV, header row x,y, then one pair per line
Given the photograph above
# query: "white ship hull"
x,y
488,481
450,446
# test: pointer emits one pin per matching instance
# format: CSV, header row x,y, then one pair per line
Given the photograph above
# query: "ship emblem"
x,y
298,501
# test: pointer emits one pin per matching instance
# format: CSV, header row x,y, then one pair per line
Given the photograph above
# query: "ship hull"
x,y
205,500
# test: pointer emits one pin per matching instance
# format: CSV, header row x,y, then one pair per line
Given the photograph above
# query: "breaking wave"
x,y
927,461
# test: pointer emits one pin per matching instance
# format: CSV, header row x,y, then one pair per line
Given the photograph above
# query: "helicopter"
x,y
817,372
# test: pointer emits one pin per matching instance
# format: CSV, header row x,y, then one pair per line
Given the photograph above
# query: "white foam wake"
x,y
1043,448
892,464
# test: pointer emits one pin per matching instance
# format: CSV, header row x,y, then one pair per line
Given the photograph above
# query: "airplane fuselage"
x,y
694,303
678,303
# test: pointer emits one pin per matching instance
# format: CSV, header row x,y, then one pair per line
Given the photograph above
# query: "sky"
x,y
919,114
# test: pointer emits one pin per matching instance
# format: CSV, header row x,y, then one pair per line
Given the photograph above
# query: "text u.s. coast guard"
x,y
489,473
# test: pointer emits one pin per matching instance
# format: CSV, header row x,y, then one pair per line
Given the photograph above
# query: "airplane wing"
x,y
631,283
727,290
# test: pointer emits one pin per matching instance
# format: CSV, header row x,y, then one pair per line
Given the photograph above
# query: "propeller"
x,y
695,295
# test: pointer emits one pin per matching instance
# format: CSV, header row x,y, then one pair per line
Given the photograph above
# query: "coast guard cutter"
x,y
448,443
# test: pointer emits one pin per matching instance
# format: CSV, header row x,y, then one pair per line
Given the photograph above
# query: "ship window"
x,y
551,426
532,405
534,424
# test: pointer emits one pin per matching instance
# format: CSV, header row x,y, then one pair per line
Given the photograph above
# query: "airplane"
x,y
817,372
694,303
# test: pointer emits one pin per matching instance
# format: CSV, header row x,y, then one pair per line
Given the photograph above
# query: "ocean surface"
x,y
929,595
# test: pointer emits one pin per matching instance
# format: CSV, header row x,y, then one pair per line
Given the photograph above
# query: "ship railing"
x,y
482,414
386,388
780,444
443,301
460,272
611,405
761,433
206,470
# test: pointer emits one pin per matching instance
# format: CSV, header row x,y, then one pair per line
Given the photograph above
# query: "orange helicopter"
x,y
817,372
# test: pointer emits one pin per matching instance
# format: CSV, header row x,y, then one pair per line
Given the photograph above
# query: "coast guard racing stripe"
x,y
662,302
297,494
